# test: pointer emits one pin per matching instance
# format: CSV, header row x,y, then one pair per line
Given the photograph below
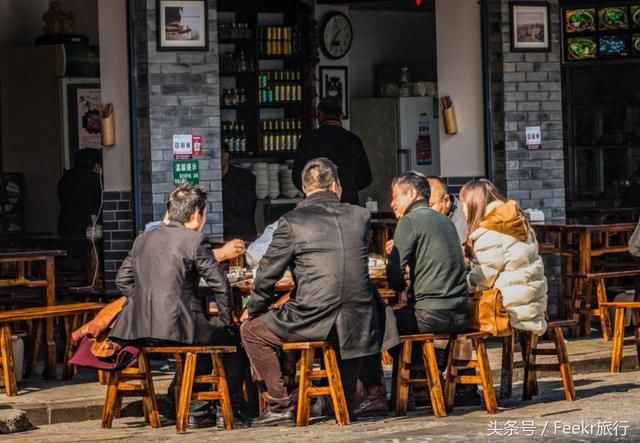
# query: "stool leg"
x,y
402,379
150,398
618,341
529,381
506,371
565,366
179,372
8,370
110,400
433,379
35,350
304,402
335,387
605,320
69,347
223,389
485,377
636,326
185,392
452,373
103,377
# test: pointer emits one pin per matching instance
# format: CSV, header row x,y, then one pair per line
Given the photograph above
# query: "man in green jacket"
x,y
427,243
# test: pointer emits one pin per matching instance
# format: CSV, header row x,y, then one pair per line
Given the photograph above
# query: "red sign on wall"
x,y
196,143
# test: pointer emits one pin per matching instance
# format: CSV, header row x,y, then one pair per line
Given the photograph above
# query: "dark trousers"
x,y
263,347
212,332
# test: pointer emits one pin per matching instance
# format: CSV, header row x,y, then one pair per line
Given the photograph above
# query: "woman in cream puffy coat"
x,y
503,254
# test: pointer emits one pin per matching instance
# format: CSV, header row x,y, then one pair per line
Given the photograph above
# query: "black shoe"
x,y
269,418
239,419
201,421
166,408
467,397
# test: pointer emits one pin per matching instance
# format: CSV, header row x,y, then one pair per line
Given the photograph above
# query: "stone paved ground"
x,y
607,401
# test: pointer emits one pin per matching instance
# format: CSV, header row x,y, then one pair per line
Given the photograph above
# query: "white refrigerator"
x,y
399,134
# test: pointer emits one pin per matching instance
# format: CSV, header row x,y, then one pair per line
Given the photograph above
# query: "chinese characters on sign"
x,y
186,171
182,147
533,137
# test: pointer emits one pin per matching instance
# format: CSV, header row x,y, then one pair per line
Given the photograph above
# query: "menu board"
x,y
601,33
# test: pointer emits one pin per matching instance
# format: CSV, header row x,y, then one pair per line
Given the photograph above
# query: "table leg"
x,y
50,364
618,341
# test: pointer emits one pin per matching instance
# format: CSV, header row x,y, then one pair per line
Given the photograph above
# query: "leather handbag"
x,y
489,314
83,356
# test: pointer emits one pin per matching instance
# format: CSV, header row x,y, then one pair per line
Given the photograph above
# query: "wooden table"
x,y
604,215
578,244
24,258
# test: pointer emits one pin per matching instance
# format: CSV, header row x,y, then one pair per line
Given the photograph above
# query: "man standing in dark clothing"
x,y
324,243
238,199
80,192
342,147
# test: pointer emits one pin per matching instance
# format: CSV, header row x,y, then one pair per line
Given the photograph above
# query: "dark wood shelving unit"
x,y
257,13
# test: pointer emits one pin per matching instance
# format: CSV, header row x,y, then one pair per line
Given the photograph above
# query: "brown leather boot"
x,y
374,404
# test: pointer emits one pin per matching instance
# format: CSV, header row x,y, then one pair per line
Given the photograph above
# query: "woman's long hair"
x,y
477,195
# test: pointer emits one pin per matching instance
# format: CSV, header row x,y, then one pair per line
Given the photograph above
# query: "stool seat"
x,y
306,390
181,349
420,337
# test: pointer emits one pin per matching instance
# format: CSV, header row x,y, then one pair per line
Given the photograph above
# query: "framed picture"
x,y
182,25
80,116
529,26
334,82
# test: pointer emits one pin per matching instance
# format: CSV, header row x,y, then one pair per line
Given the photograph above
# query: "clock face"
x,y
337,35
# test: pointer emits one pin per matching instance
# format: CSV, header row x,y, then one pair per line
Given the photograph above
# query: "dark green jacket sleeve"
x,y
403,253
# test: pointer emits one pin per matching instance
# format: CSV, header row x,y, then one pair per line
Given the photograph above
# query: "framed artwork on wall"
x,y
80,116
334,82
529,26
182,25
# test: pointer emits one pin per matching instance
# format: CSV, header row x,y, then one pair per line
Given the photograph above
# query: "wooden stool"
x,y
530,350
481,363
404,380
618,331
331,372
185,379
119,387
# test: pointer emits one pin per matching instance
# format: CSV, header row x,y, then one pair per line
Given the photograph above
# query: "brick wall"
x,y
177,93
117,232
526,91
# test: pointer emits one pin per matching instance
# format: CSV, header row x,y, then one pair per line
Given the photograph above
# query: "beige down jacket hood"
x,y
505,256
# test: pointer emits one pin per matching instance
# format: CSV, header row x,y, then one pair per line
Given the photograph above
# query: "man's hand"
x,y
231,249
388,247
245,316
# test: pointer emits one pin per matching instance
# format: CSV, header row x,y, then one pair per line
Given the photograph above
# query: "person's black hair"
x,y
318,174
414,180
330,107
86,158
184,201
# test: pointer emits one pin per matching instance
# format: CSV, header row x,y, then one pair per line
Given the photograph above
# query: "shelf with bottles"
x,y
278,41
236,63
280,135
279,87
236,32
234,134
235,98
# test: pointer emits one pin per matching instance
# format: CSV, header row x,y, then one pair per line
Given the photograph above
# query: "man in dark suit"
x,y
325,243
342,147
160,277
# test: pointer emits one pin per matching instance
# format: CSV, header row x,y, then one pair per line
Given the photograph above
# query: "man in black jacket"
x,y
238,199
325,243
160,277
342,147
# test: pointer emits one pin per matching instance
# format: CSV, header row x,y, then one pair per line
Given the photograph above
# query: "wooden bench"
x,y
481,364
403,379
186,356
593,289
618,331
75,311
331,372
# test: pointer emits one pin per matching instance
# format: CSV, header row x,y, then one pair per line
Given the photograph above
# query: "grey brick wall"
x,y
178,93
117,232
526,91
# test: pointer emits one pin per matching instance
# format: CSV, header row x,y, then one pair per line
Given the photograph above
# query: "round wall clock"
x,y
336,35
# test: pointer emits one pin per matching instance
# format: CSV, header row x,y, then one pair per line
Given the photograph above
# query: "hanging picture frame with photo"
x,y
182,25
334,82
530,27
